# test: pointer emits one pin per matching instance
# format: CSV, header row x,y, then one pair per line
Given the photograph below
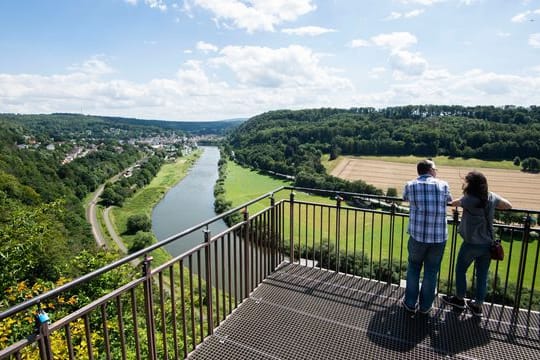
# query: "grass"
x,y
145,199
439,160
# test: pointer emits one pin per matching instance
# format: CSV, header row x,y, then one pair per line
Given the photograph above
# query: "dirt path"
x,y
91,217
112,231
518,187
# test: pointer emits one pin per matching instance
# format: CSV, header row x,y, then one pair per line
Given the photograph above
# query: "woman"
x,y
476,229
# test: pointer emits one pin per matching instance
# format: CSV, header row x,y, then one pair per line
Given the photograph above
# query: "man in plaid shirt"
x,y
427,197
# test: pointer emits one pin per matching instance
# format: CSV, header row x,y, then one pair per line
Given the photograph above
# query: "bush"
x,y
137,223
142,239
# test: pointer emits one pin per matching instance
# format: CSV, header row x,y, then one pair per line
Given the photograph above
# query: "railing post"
x,y
247,268
393,207
273,240
42,322
208,275
338,226
453,245
149,307
522,260
291,227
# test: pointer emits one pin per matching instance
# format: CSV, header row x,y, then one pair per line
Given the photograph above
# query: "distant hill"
x,y
54,120
217,127
293,142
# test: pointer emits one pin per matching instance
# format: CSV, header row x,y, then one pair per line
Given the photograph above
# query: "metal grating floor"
x,y
306,313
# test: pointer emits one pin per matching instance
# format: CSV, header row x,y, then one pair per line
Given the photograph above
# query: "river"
x,y
189,203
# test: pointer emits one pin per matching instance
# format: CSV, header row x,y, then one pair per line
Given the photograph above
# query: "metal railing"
x,y
168,310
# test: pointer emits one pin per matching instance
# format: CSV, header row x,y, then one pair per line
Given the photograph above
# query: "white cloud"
x,y
308,31
474,87
421,2
407,15
503,34
413,13
525,16
394,15
292,66
522,17
154,4
407,63
534,40
376,72
395,40
356,43
206,47
469,2
95,66
256,15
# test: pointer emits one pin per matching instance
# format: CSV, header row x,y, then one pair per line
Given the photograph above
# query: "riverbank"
x,y
147,198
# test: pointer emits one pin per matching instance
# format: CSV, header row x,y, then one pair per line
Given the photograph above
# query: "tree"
x,y
391,192
531,164
142,239
137,223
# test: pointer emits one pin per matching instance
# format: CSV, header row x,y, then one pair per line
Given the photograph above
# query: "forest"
x,y
43,230
293,142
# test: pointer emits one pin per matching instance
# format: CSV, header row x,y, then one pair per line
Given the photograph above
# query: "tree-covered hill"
x,y
292,142
63,126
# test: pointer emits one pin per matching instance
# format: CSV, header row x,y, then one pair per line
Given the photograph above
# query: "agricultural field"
x,y
518,187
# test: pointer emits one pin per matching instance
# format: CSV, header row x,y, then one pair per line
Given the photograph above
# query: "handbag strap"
x,y
489,227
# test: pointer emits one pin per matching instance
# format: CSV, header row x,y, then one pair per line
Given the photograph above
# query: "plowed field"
x,y
522,189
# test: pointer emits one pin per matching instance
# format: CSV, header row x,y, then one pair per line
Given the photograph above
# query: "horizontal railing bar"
x,y
372,196
42,297
94,304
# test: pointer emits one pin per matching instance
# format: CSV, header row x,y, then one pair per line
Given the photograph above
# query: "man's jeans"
x,y
482,257
429,256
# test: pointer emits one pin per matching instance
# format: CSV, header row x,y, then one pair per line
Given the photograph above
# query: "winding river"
x,y
189,203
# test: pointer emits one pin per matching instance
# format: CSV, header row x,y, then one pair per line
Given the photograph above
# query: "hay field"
x,y
522,189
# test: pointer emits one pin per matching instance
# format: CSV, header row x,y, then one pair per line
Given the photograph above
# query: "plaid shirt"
x,y
427,197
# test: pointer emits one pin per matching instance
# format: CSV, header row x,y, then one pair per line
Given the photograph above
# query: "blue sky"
x,y
219,59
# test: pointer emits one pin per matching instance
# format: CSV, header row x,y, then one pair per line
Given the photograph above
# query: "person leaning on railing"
x,y
476,229
427,197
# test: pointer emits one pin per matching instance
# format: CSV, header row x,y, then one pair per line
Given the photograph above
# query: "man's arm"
x,y
406,193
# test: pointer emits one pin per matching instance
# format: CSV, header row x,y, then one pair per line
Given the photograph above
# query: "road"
x,y
112,231
91,217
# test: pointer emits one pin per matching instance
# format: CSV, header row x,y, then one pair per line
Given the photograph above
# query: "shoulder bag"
x,y
496,250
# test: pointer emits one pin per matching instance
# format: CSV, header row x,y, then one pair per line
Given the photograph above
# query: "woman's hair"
x,y
476,185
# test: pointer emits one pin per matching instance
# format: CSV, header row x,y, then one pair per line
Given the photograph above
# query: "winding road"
x,y
91,217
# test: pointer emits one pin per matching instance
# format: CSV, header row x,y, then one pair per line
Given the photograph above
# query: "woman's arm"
x,y
504,204
456,202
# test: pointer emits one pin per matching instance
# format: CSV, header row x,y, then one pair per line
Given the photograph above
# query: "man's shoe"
x,y
410,310
454,301
475,308
425,312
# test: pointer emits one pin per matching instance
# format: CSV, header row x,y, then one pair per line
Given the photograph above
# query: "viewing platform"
x,y
300,312
294,277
